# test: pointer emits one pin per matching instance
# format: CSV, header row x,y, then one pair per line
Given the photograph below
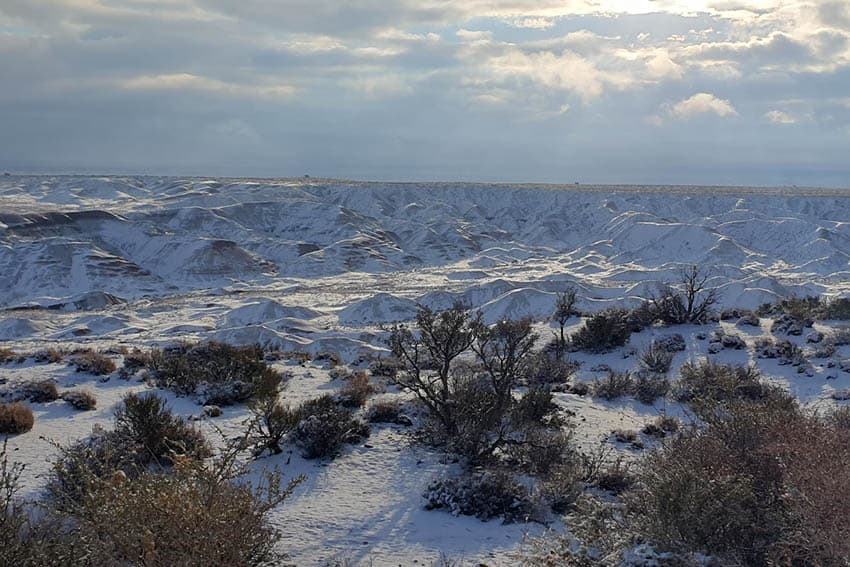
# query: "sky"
x,y
726,92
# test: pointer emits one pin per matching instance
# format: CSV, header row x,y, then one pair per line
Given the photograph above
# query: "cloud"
x,y
779,117
189,82
702,103
533,23
429,82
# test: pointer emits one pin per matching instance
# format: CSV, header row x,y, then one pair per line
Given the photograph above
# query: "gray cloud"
x,y
473,89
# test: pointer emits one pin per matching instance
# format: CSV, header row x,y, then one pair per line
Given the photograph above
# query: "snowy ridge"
x,y
369,251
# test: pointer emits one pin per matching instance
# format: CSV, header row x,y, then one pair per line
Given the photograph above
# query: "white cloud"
x,y
780,117
189,82
702,103
533,23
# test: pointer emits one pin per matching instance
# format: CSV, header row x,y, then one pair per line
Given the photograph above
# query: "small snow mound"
x,y
264,311
518,304
19,328
380,308
261,335
89,301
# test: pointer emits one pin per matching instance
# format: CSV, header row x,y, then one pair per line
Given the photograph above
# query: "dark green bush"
x,y
603,331
216,373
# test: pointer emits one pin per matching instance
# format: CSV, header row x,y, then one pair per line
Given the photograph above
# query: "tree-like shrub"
x,y
273,420
692,301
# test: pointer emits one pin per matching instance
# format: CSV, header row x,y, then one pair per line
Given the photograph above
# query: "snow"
x,y
315,266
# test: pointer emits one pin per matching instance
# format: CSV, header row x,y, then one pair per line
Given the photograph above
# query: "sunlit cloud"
x,y
702,103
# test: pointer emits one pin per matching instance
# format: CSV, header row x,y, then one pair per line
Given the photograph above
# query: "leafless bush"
x,y
357,390
15,418
272,422
468,403
692,302
564,310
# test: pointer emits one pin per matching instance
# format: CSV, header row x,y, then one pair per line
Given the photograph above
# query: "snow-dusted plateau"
x,y
324,266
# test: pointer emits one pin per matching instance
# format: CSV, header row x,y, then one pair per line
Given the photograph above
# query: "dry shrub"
x,y
272,422
656,359
662,426
80,399
134,361
545,369
709,386
614,385
840,417
761,484
7,355
147,420
192,517
203,513
486,495
37,392
94,363
332,359
648,387
616,476
324,427
49,355
15,418
357,390
384,411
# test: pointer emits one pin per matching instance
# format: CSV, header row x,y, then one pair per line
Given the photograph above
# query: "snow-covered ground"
x,y
321,265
